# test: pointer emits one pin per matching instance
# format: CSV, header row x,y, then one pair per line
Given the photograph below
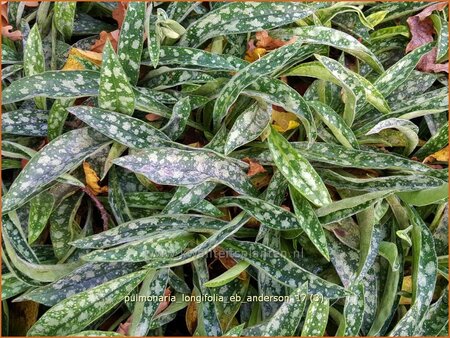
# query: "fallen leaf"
x,y
284,121
153,117
113,37
73,64
407,287
7,29
254,167
254,54
227,261
441,156
92,180
191,315
119,13
422,31
264,40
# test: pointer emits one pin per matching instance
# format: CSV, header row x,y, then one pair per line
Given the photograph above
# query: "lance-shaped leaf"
x,y
396,183
131,40
115,92
183,167
309,221
436,317
63,17
53,84
354,310
248,126
32,273
316,317
57,116
84,278
144,227
297,170
116,198
25,122
180,115
164,77
175,55
85,307
286,320
399,72
435,143
337,39
424,276
40,209
12,229
153,285
56,158
163,245
264,66
228,275
33,59
204,247
281,268
441,27
407,128
237,17
337,125
124,129
154,35
269,214
208,319
280,94
63,229
186,198
347,207
12,286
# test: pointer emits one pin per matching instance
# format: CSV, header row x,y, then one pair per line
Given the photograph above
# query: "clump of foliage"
x,y
296,151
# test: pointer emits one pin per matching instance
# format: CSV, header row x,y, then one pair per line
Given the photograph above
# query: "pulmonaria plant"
x,y
225,169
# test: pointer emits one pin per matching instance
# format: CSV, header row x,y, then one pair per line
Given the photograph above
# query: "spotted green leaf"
x,y
248,126
154,36
397,182
163,245
337,39
180,115
266,65
435,143
441,27
56,158
354,310
12,286
25,122
84,308
269,214
154,284
185,167
436,317
63,17
79,280
146,227
131,40
297,170
41,207
57,116
236,18
423,276
33,59
281,268
53,84
115,92
165,77
280,94
316,317
336,124
124,129
309,221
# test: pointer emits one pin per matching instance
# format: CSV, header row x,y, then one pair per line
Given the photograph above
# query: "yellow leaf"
x,y
284,121
92,180
441,155
406,286
254,54
73,64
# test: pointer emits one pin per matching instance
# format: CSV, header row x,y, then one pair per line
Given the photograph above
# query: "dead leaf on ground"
x,y
441,156
92,180
254,167
284,121
105,36
73,64
422,31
